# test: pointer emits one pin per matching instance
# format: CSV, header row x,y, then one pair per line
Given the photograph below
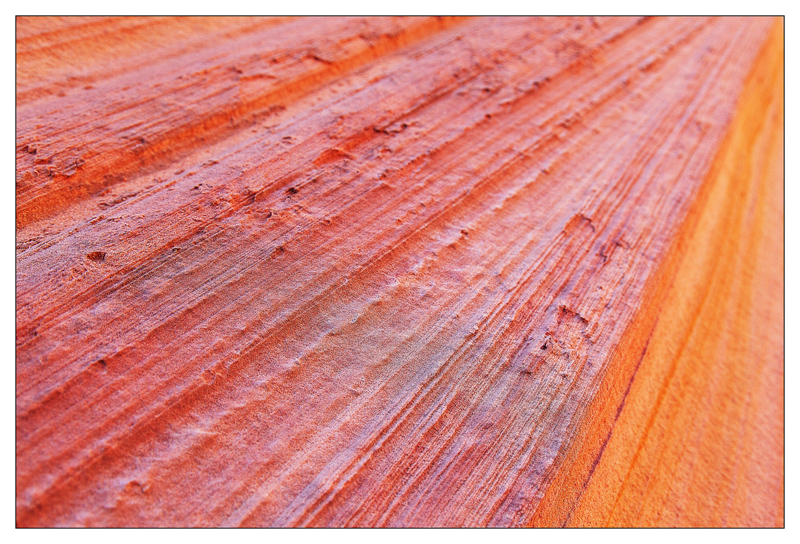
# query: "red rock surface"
x,y
399,272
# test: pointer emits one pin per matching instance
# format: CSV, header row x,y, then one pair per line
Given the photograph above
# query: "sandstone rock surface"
x,y
399,272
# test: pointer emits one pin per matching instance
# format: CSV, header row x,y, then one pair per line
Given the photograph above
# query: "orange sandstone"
x,y
399,272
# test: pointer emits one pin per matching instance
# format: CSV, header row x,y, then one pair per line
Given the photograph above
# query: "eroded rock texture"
x,y
399,272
